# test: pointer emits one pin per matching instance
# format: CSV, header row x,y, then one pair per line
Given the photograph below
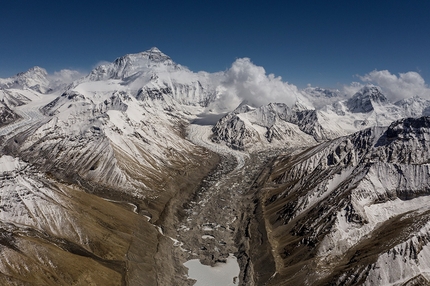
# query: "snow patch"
x,y
9,164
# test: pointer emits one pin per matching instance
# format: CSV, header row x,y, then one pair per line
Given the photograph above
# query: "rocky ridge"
x,y
343,207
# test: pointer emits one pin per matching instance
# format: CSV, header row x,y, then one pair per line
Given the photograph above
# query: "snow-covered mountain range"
x,y
354,209
108,171
279,125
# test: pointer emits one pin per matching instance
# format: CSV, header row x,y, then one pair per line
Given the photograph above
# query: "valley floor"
x,y
215,222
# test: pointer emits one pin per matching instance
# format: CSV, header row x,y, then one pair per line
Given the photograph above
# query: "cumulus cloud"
x,y
245,81
405,85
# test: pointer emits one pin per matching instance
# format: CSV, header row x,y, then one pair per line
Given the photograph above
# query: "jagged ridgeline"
x,y
121,176
354,210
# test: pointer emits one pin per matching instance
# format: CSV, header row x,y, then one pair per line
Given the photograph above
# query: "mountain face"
x,y
414,107
154,75
13,98
261,127
55,233
86,174
34,79
6,115
112,180
133,65
354,210
364,100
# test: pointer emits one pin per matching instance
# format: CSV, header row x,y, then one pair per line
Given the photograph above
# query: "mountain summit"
x,y
365,99
36,78
133,65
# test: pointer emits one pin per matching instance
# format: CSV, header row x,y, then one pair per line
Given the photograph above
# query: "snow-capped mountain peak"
x,y
35,78
132,65
150,76
364,100
243,107
155,55
34,72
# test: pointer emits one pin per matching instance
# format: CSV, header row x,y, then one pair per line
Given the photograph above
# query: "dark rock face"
x,y
234,134
154,94
407,127
307,120
7,115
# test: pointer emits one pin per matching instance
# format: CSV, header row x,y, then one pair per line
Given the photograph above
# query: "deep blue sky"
x,y
317,42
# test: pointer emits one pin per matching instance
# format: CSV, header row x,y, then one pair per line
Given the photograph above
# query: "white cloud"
x,y
395,87
65,76
245,81
351,89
